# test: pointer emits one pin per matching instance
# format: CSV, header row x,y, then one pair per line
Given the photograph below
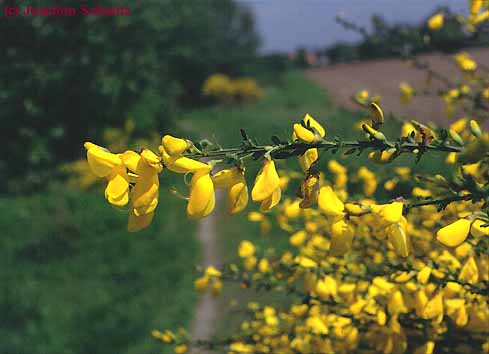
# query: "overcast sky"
x,y
285,25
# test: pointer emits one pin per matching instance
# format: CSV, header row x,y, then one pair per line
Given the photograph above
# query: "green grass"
x,y
76,282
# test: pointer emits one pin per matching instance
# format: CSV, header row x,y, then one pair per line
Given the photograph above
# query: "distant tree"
x,y
65,78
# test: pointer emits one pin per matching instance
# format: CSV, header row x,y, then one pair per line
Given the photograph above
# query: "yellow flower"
x,y
369,181
201,284
477,230
264,265
426,348
469,272
175,146
407,92
329,203
362,96
434,307
219,86
305,262
475,128
292,209
249,263
299,310
465,62
310,130
436,22
138,222
180,164
240,347
212,272
216,287
455,233
308,158
308,191
202,198
100,160
398,237
382,157
388,213
237,199
246,249
377,115
373,133
267,186
181,349
237,191
105,164
451,158
341,238
424,275
407,129
485,93
326,287
298,238
459,125
144,195
396,304
316,325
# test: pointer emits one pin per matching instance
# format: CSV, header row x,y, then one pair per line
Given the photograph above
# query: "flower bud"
x,y
475,129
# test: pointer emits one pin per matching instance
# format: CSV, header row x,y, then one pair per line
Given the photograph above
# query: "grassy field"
x,y
75,281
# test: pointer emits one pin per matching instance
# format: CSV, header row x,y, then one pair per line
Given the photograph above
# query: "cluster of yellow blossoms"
x,y
407,275
224,89
361,275
478,13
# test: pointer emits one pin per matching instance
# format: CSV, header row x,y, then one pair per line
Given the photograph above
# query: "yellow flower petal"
x,y
179,164
137,223
310,121
434,307
226,178
424,275
398,237
152,159
469,272
304,134
100,160
307,159
118,183
237,198
271,201
266,182
144,195
436,21
202,198
329,203
477,230
341,238
131,160
174,146
389,213
454,234
246,249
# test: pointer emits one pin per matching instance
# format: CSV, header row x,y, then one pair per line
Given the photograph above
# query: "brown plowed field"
x,y
382,77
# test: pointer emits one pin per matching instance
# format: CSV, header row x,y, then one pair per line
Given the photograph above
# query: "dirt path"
x,y
205,313
382,77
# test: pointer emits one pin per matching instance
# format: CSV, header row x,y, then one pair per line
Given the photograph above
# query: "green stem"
x,y
298,148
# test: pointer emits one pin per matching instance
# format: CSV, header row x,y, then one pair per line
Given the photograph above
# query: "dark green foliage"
x,y
385,40
74,281
300,60
64,79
